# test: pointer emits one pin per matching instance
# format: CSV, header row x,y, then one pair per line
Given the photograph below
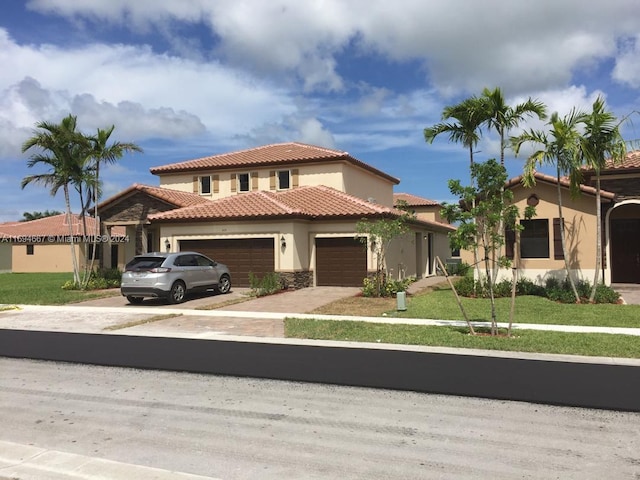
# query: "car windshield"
x,y
144,263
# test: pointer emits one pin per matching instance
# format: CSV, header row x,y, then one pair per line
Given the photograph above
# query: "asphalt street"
x,y
238,428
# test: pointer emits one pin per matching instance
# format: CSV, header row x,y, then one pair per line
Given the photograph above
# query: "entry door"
x,y
625,250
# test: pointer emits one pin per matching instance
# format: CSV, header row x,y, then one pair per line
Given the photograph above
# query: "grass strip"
x,y
532,341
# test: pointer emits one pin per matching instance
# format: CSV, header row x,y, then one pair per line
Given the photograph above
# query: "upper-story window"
x,y
243,182
205,185
284,179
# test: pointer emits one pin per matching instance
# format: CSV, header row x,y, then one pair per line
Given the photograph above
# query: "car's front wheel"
x,y
177,293
135,300
224,285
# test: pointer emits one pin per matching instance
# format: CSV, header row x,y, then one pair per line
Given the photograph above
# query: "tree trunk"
x,y
76,271
563,241
598,239
514,286
464,313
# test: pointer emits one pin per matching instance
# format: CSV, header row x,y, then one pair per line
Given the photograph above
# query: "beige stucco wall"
x,y
5,256
580,234
342,176
411,252
47,257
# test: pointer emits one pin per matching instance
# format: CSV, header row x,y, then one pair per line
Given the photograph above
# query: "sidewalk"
x,y
251,318
26,462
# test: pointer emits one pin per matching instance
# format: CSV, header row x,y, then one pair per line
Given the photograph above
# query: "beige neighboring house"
x,y
289,208
43,245
541,254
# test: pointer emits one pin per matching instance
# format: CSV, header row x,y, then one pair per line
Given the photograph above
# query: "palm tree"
x,y
601,140
102,153
470,114
561,147
60,149
503,117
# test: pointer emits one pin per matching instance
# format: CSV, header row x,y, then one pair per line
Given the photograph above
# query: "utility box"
x,y
401,299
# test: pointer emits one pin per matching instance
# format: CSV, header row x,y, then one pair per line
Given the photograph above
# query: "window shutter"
x,y
558,254
272,180
216,183
509,239
254,180
294,178
195,185
234,182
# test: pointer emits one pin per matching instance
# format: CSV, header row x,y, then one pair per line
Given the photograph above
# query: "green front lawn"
x,y
591,344
441,304
41,289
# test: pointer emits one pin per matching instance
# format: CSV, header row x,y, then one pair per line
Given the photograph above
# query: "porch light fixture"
x,y
167,245
283,242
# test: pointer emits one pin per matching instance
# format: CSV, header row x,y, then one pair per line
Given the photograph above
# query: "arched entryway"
x,y
623,246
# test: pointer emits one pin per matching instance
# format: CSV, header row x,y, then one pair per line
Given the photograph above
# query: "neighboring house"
x,y
43,245
289,208
541,254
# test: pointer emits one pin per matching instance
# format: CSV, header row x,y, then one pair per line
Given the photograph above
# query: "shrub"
x,y
605,294
269,284
100,279
381,286
465,286
524,286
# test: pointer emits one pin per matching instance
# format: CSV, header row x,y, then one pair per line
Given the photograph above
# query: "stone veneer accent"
x,y
296,280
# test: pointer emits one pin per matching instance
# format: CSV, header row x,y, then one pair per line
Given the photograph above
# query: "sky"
x,y
185,79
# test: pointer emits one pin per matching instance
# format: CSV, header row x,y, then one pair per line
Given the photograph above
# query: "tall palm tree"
x,y
601,140
100,153
502,117
469,114
561,148
60,149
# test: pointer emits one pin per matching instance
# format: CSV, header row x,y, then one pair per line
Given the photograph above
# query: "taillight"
x,y
160,270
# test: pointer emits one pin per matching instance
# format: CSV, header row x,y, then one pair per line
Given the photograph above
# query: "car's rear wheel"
x,y
224,285
177,292
135,300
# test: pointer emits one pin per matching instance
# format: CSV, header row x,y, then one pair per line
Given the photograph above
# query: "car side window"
x,y
184,261
204,261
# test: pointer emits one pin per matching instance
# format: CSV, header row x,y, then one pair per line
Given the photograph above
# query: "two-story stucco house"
x,y
289,208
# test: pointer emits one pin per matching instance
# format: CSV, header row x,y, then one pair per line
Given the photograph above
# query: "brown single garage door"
x,y
242,256
340,262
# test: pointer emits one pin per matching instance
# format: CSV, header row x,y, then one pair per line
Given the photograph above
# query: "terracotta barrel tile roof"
x,y
563,182
55,225
173,197
307,201
631,161
275,154
414,200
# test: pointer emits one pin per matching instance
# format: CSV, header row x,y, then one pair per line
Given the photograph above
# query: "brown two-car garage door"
x,y
340,262
242,256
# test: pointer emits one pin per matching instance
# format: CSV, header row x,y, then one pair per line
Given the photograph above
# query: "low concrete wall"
x,y
594,385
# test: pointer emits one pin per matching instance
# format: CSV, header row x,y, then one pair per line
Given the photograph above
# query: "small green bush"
x,y
383,287
524,286
606,294
269,284
100,279
554,289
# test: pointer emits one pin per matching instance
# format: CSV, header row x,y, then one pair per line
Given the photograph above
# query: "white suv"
x,y
172,275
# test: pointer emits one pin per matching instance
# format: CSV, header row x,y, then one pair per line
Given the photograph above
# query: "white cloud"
x,y
627,69
465,44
